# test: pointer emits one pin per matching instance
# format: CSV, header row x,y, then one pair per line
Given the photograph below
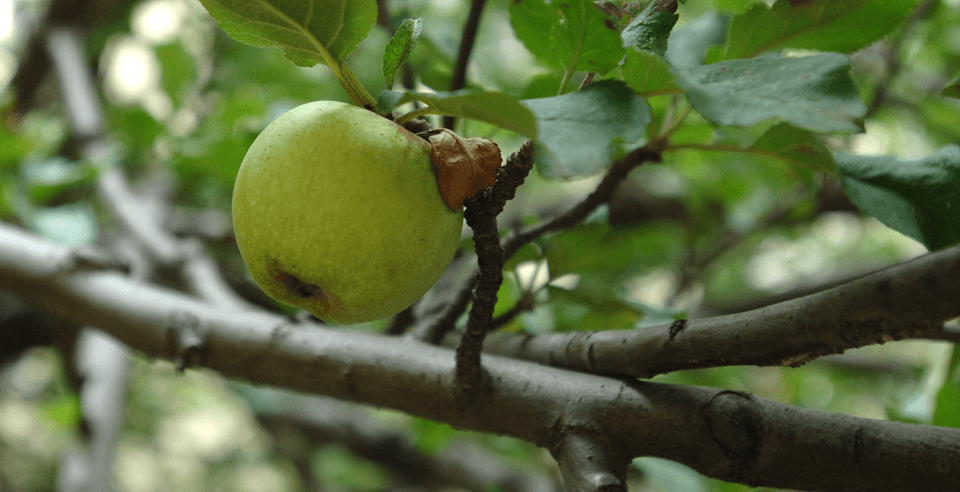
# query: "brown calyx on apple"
x,y
465,166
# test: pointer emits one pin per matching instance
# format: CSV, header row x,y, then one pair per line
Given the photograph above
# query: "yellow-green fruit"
x,y
337,210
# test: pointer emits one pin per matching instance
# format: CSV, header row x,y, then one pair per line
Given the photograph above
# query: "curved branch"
x,y
909,300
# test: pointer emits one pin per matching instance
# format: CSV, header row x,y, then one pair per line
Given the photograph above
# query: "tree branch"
x,y
909,300
726,435
459,76
481,215
604,191
617,173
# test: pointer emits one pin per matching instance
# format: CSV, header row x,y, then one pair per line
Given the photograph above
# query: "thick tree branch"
x,y
909,300
139,217
462,465
727,435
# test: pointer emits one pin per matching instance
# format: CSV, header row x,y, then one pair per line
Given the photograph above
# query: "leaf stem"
x,y
567,75
364,97
419,112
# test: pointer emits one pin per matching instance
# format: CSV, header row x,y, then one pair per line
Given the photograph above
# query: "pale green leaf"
x,y
400,47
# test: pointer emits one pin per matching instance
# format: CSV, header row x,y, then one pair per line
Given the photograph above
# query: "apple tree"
x,y
721,250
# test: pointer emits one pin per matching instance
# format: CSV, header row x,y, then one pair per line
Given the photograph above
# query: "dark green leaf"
x,y
647,74
813,92
588,248
400,47
578,133
952,89
530,20
303,30
920,198
574,36
650,29
947,412
591,306
796,146
843,26
490,107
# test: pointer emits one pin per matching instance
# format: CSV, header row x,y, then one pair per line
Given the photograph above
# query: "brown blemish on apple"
x,y
465,166
298,287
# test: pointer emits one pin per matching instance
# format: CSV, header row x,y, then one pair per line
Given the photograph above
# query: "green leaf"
x,y
400,47
813,92
578,133
919,198
952,89
495,108
947,412
649,30
177,72
574,36
688,43
647,74
588,248
843,26
797,147
591,306
307,31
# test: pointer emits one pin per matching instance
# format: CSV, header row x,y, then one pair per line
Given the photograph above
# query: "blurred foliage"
x,y
211,96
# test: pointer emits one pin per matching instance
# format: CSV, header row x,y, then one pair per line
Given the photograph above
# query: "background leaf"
x,y
402,44
300,29
577,132
953,89
947,412
813,92
797,147
177,71
920,198
843,26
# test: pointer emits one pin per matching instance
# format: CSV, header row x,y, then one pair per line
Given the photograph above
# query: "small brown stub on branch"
x,y
465,166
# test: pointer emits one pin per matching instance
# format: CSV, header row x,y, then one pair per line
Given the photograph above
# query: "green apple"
x,y
337,210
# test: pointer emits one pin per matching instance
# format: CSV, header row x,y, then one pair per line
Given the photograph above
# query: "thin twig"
x,y
695,267
481,215
891,57
617,172
459,77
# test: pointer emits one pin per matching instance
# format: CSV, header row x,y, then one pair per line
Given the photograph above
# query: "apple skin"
x,y
336,210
